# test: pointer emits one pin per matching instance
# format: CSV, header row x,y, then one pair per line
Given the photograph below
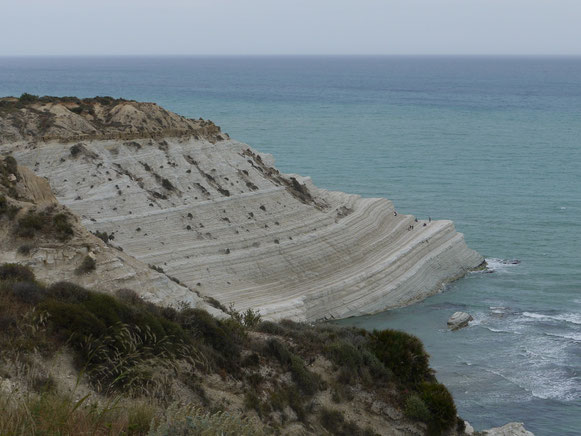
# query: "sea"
x,y
492,143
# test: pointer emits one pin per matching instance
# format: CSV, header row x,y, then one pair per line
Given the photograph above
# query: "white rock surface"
x,y
459,320
226,223
54,260
469,430
510,429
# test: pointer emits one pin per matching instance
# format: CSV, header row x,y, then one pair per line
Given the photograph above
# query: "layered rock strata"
x,y
54,258
219,217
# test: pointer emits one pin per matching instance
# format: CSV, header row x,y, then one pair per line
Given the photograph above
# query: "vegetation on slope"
x,y
26,219
32,117
9,104
149,367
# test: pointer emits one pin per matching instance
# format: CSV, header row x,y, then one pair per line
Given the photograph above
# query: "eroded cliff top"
x,y
66,119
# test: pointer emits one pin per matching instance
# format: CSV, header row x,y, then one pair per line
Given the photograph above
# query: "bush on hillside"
x,y
127,345
440,403
87,265
34,223
401,353
28,98
29,224
16,272
215,333
335,423
308,382
62,226
416,409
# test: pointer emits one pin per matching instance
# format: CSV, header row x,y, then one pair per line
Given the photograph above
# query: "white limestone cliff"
x,y
218,216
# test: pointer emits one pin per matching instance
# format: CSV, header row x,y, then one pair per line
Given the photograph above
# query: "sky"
x,y
273,27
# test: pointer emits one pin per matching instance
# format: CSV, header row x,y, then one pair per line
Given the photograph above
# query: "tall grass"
x,y
136,360
53,414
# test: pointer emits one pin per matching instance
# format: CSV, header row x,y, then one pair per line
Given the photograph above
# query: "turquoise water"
x,y
491,143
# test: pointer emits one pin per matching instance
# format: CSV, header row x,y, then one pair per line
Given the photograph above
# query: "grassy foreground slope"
x,y
74,361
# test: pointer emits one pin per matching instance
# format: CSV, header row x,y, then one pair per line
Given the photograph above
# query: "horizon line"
x,y
298,55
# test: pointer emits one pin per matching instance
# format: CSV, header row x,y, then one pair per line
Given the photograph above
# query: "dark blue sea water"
x,y
491,143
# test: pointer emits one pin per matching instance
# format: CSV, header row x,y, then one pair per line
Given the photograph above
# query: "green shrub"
x,y
28,98
288,395
33,222
402,353
16,272
139,418
216,304
121,347
377,369
73,321
271,328
6,209
25,249
77,110
29,224
133,360
416,409
344,354
10,165
221,338
129,296
92,313
441,406
251,361
42,383
211,331
103,236
29,292
307,381
252,402
87,265
277,349
335,423
332,420
62,226
66,292
249,319
159,269
76,149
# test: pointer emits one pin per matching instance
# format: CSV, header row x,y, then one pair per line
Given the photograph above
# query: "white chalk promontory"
x,y
220,218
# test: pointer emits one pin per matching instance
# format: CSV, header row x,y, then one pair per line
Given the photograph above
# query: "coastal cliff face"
x,y
145,203
37,231
220,218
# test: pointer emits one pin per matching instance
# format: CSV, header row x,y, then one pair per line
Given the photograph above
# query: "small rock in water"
x,y
459,320
511,262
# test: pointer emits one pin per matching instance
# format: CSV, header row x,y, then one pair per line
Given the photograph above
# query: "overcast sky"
x,y
57,27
